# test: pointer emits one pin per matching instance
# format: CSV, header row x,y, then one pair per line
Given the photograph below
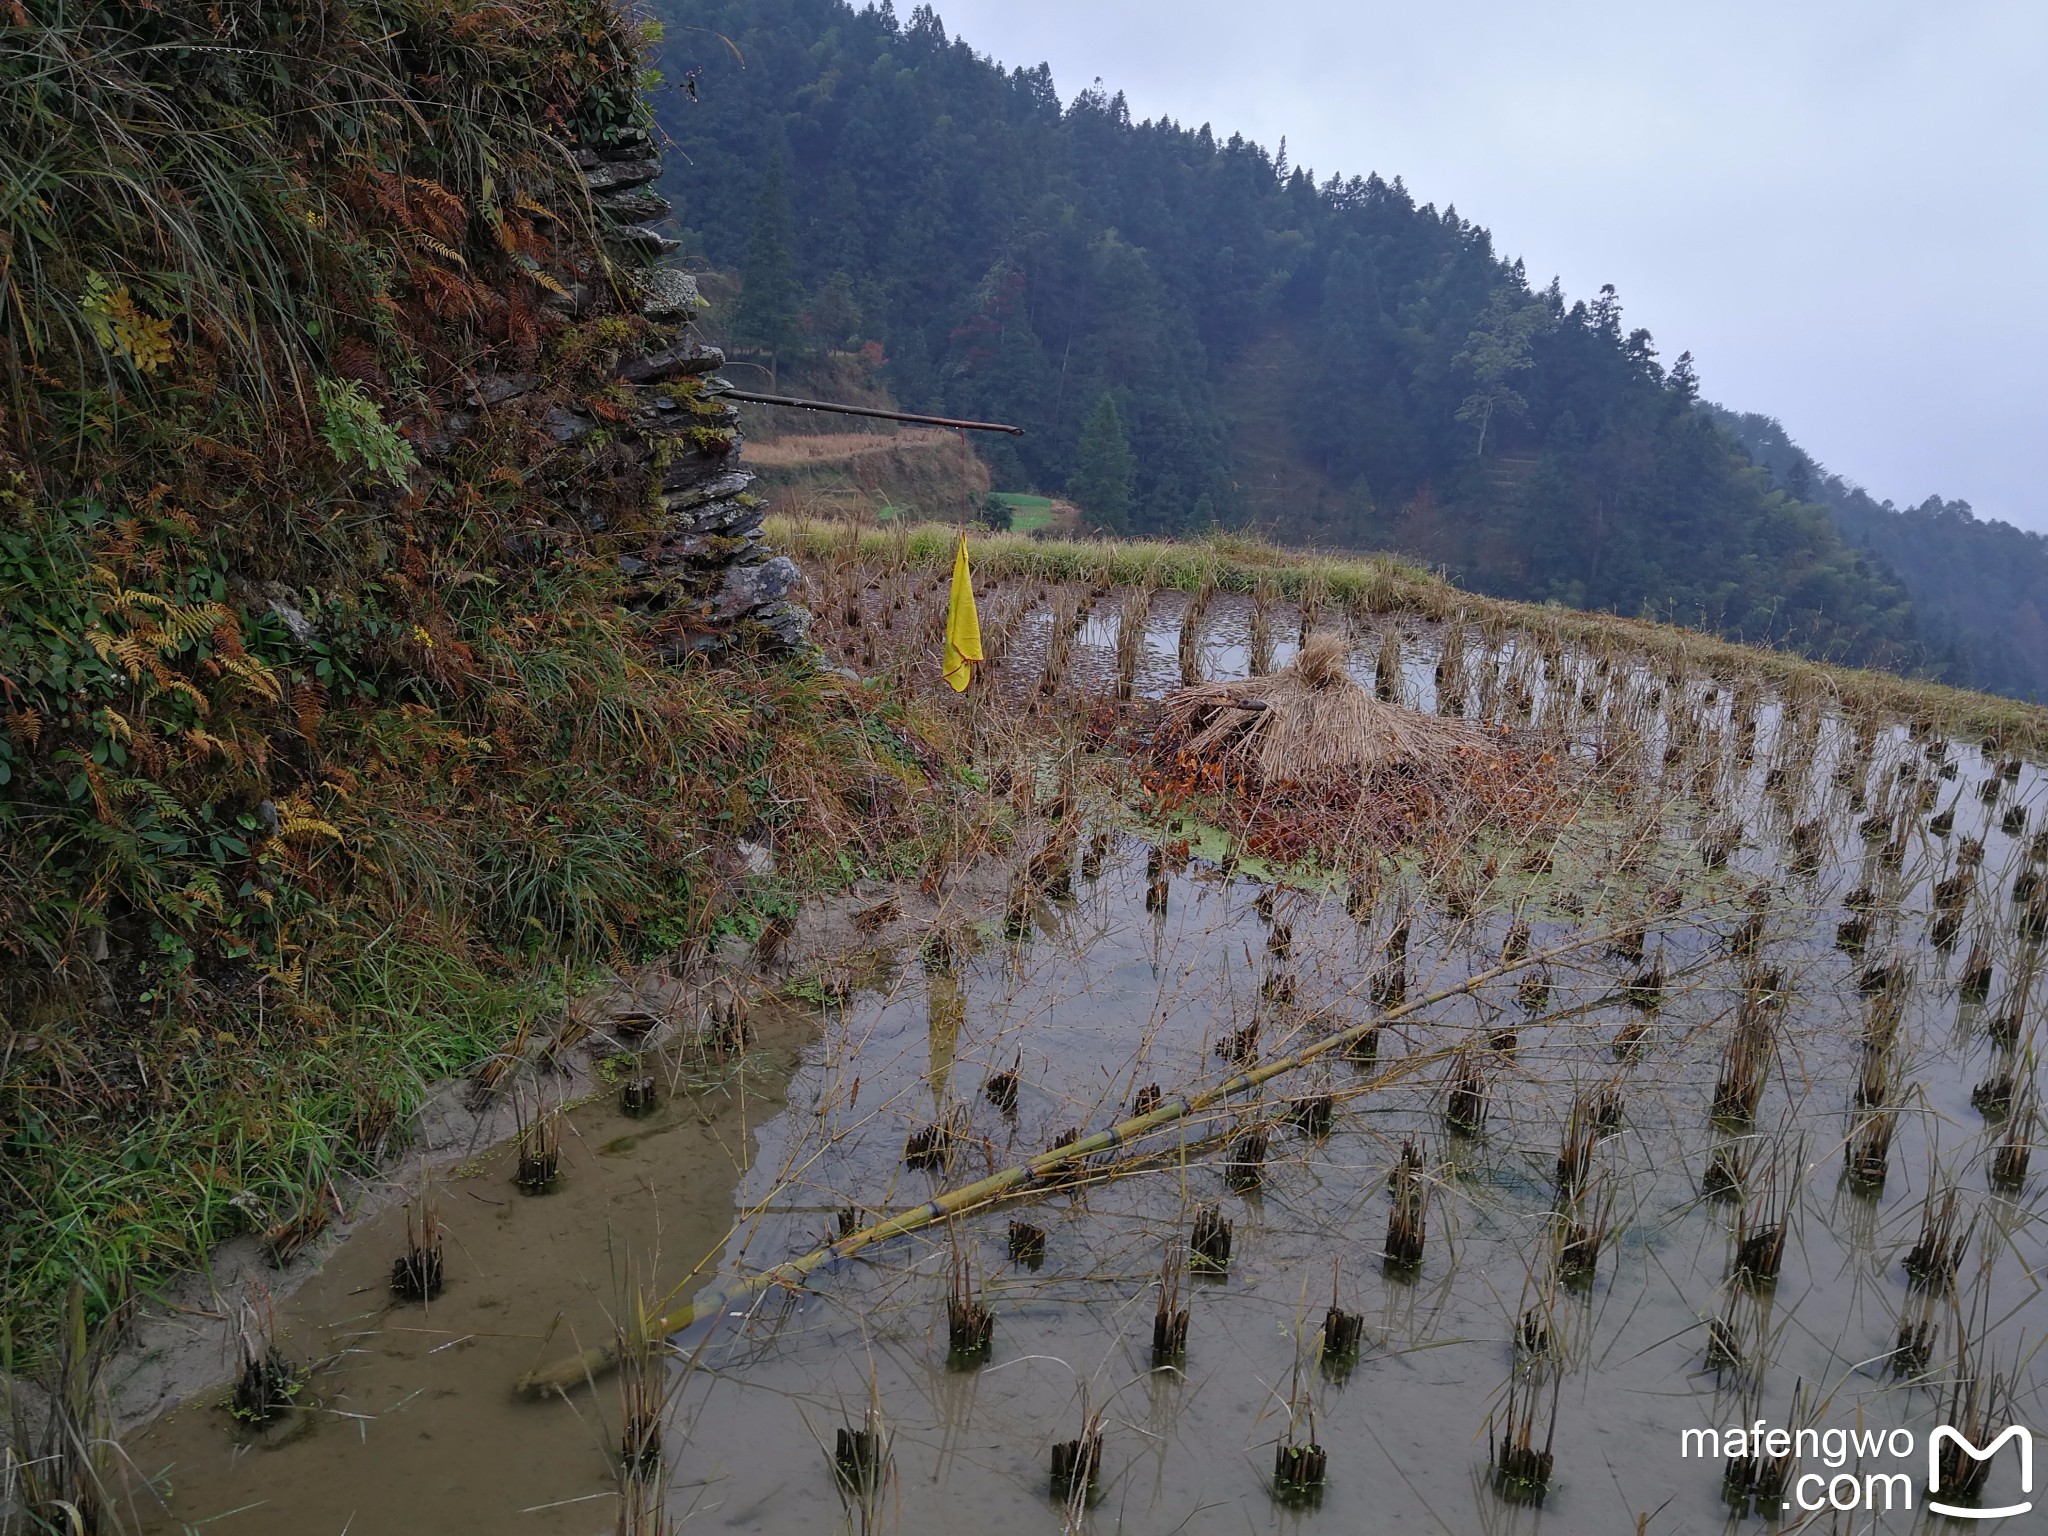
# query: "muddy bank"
x,y
407,1424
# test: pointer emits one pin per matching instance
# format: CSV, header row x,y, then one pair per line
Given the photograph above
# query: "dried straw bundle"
x,y
1310,722
1305,764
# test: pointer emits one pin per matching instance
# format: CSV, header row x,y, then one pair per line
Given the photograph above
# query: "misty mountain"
x,y
1194,331
1978,585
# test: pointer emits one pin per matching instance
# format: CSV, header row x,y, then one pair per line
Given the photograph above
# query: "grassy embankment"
x,y
331,749
1369,584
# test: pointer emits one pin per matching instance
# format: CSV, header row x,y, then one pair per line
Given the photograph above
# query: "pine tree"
x,y
1496,350
1104,469
765,319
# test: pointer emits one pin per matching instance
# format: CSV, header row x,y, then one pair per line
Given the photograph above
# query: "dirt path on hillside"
x,y
799,452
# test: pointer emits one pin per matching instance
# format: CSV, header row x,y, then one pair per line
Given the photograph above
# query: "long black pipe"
x,y
867,410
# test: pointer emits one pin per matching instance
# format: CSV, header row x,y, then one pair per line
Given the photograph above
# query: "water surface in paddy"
x,y
1115,997
1105,995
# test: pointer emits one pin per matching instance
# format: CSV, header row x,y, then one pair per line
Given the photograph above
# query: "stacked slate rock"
x,y
707,574
704,577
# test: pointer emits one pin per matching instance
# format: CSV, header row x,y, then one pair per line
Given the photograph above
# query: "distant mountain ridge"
x,y
1193,331
1979,586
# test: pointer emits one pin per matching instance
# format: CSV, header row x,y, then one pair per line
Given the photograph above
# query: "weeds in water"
x,y
1918,1336
1931,1263
1758,1481
639,1095
1866,1156
1978,1407
862,1466
1993,1096
970,1322
538,1144
1193,619
1209,1241
1582,1227
1522,1472
1582,1131
1259,640
1026,1244
930,1146
1314,1114
1241,1046
1077,1467
1244,1165
645,1390
269,1383
1342,1334
1388,685
1465,1095
1132,617
1745,1068
1408,1221
1169,1317
1760,1233
1725,1350
1533,1333
2014,1152
416,1274
1001,1088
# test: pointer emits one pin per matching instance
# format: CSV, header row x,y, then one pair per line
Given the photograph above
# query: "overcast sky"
x,y
1839,206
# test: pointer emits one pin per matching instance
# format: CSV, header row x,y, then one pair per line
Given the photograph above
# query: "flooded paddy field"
x,y
1707,1097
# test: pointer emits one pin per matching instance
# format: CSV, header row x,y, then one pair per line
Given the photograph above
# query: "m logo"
x,y
1972,1478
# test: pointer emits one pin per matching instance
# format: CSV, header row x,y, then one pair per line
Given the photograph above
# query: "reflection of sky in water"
x,y
1108,997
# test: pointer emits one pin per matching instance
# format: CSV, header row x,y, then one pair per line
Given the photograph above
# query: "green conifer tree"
x,y
1104,469
765,319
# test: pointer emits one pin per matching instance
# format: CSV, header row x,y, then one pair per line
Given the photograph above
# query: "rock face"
x,y
703,577
707,572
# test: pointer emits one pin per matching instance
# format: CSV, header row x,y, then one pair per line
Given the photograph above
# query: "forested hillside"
x,y
1194,330
1978,586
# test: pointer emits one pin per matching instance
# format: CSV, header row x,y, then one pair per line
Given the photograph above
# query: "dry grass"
x,y
1310,720
837,447
1375,584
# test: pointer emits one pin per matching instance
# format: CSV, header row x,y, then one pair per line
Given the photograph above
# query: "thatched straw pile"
x,y
1307,764
1311,724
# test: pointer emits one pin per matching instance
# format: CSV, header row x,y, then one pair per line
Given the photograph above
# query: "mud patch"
x,y
408,1421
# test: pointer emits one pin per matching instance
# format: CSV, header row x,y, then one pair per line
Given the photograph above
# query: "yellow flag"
x,y
963,625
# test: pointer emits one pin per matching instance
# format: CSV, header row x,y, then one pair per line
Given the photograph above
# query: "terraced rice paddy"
x,y
1704,1094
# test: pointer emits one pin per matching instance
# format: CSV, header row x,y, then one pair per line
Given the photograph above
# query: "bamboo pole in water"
x,y
564,1374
